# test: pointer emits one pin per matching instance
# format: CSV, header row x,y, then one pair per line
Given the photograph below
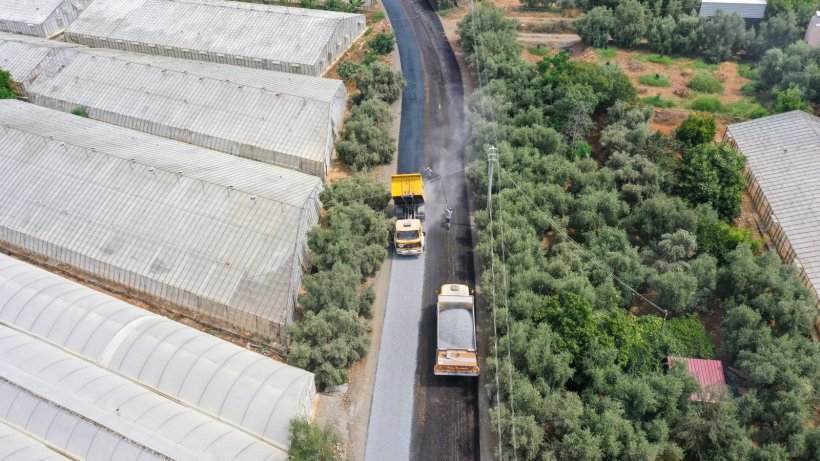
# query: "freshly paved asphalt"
x,y
443,417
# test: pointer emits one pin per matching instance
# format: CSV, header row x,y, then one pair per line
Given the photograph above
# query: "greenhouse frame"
x,y
281,119
99,378
783,178
271,37
39,18
212,236
25,57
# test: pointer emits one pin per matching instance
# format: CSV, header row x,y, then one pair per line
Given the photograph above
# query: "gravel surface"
x,y
455,329
391,413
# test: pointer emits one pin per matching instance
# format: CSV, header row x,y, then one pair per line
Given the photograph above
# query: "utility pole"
x,y
492,157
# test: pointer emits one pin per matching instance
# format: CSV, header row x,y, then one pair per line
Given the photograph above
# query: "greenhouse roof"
x,y
34,11
39,17
20,55
228,28
783,153
17,446
283,119
218,234
110,372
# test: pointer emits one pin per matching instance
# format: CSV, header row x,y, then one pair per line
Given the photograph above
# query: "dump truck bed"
x,y
456,327
403,186
456,341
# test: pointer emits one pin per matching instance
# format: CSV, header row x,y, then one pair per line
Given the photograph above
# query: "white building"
x,y
271,37
213,236
747,9
277,118
40,18
91,377
813,30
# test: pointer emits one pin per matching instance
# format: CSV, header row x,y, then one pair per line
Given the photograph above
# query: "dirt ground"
x,y
679,74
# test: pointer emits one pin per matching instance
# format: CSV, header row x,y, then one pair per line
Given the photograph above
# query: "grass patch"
x,y
705,83
607,53
706,104
538,50
656,80
378,16
445,11
699,64
745,109
656,58
658,101
745,70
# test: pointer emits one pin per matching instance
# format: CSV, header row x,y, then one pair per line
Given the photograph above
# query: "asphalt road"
x,y
445,409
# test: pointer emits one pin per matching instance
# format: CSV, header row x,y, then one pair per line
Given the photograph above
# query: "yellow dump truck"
x,y
456,341
408,196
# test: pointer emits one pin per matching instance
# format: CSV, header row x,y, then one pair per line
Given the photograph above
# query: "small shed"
x,y
813,31
747,9
709,374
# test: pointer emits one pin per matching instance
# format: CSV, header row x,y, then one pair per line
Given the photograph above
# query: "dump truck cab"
x,y
407,191
456,340
409,237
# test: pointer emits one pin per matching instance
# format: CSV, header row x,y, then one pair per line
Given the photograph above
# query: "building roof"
x,y
17,446
212,27
129,384
42,18
282,119
783,153
750,9
708,373
812,36
221,236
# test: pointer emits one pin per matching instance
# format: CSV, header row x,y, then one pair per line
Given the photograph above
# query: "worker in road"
x,y
429,171
448,215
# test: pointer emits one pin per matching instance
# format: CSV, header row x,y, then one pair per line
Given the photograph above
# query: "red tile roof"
x,y
709,374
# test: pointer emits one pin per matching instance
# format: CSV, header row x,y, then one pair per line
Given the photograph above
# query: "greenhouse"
x,y
102,379
281,119
40,18
212,236
25,57
783,178
17,446
272,37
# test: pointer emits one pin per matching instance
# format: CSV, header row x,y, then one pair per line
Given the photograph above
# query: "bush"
x,y
327,343
790,99
705,83
309,442
656,80
379,81
383,43
6,89
712,173
365,141
696,129
80,111
718,239
658,101
359,188
349,69
706,104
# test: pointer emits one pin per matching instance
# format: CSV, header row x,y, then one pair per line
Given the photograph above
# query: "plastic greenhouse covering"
x,y
272,37
281,119
41,18
102,379
209,235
